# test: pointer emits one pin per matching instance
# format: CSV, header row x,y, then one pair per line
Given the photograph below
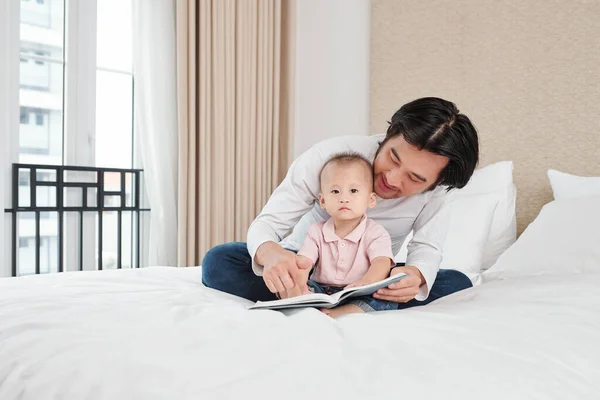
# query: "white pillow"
x,y
469,229
563,239
469,221
497,180
482,221
566,186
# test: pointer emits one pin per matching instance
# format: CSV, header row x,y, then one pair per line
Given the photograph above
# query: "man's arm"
x,y
296,195
425,248
293,198
305,259
424,252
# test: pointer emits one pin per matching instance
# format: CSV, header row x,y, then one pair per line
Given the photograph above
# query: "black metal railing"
x,y
62,183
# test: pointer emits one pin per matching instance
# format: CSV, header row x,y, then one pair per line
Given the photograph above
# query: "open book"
x,y
322,300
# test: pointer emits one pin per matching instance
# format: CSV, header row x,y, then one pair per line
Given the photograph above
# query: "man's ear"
x,y
321,201
372,200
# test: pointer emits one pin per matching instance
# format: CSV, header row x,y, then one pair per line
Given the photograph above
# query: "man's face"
x,y
402,169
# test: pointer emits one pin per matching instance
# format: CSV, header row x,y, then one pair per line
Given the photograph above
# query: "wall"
x,y
331,70
527,73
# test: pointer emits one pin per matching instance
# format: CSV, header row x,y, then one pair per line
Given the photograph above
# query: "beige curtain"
x,y
234,80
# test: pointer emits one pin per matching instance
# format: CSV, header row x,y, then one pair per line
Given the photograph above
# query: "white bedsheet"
x,y
157,333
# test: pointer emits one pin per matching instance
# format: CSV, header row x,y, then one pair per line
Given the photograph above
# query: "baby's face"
x,y
347,190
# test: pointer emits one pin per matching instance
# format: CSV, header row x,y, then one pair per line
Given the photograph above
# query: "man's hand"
x,y
284,270
404,290
298,290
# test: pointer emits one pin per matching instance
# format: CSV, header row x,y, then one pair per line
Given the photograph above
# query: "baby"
x,y
348,249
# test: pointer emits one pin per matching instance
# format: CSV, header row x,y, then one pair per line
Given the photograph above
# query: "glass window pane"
x,y
41,113
42,23
41,124
41,81
126,240
109,240
48,250
110,231
24,187
114,47
113,119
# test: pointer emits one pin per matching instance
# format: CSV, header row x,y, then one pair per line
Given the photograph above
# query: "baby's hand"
x,y
361,282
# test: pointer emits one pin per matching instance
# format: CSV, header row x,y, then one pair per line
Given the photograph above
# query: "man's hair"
x,y
348,158
436,125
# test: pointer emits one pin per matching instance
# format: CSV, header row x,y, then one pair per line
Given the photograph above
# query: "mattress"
x,y
158,333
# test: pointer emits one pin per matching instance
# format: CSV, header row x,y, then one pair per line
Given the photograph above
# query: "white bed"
x,y
158,333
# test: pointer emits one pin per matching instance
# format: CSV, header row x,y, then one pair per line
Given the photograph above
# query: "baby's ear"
x,y
321,201
372,200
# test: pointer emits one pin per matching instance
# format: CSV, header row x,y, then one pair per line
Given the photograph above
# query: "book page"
x,y
327,301
367,289
302,299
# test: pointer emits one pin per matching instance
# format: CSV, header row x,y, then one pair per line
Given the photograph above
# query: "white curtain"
x,y
155,111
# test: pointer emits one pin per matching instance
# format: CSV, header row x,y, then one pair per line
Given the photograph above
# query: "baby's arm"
x,y
310,247
379,270
379,251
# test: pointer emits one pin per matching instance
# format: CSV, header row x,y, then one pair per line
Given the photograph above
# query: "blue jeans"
x,y
228,268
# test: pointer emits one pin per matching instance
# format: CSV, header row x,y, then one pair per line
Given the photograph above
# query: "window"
x,y
24,115
23,242
37,73
114,119
40,54
77,85
43,215
23,178
41,97
34,137
39,118
38,13
114,75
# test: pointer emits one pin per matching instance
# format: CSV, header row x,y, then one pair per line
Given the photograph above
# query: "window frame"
x,y
9,116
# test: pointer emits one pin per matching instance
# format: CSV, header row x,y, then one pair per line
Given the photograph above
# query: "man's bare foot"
x,y
342,310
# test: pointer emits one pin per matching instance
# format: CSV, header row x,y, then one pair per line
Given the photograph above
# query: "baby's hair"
x,y
348,158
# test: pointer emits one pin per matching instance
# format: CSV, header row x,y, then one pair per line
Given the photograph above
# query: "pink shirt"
x,y
340,262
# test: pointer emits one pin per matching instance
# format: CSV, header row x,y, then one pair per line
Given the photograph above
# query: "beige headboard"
x,y
527,73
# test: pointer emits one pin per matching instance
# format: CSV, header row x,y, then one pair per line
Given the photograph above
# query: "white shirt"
x,y
294,205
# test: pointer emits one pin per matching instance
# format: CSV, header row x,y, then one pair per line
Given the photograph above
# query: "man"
x,y
429,149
